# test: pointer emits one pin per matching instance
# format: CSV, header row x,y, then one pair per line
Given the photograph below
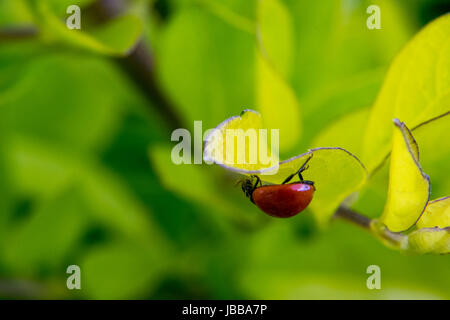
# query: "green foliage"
x,y
409,186
43,241
344,132
275,30
430,240
121,270
272,93
116,37
416,88
275,99
339,64
13,12
436,214
221,84
76,136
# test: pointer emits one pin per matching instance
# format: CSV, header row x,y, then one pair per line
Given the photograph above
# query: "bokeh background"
x,y
85,170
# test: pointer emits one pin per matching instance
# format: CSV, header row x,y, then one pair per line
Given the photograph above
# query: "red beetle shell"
x,y
284,200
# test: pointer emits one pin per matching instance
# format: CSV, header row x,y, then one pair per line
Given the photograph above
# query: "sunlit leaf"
x,y
275,35
278,104
339,64
434,141
437,214
336,172
236,144
430,240
60,6
345,132
116,37
372,197
119,36
333,46
416,89
13,13
239,14
276,100
409,187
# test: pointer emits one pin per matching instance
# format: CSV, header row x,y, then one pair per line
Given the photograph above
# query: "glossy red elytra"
x,y
281,200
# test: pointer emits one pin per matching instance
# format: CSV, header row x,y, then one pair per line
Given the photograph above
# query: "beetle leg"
x,y
303,168
289,178
250,192
299,172
258,180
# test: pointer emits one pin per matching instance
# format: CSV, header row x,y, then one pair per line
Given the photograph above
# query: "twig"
x,y
18,33
392,239
23,289
139,67
353,217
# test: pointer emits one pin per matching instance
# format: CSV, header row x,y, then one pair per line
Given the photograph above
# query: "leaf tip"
x,y
249,110
398,123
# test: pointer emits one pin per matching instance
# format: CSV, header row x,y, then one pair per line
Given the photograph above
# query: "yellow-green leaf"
x,y
345,132
336,172
116,37
276,100
430,240
409,186
434,141
60,6
437,214
275,32
223,148
14,13
416,89
278,104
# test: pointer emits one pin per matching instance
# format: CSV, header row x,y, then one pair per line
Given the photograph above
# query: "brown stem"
x,y
392,239
18,33
29,289
139,67
353,217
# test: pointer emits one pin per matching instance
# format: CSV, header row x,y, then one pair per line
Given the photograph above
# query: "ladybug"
x,y
281,200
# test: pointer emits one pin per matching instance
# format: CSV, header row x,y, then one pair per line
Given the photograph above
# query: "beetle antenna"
x,y
239,182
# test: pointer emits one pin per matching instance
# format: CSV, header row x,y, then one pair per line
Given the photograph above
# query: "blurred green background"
x,y
85,171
